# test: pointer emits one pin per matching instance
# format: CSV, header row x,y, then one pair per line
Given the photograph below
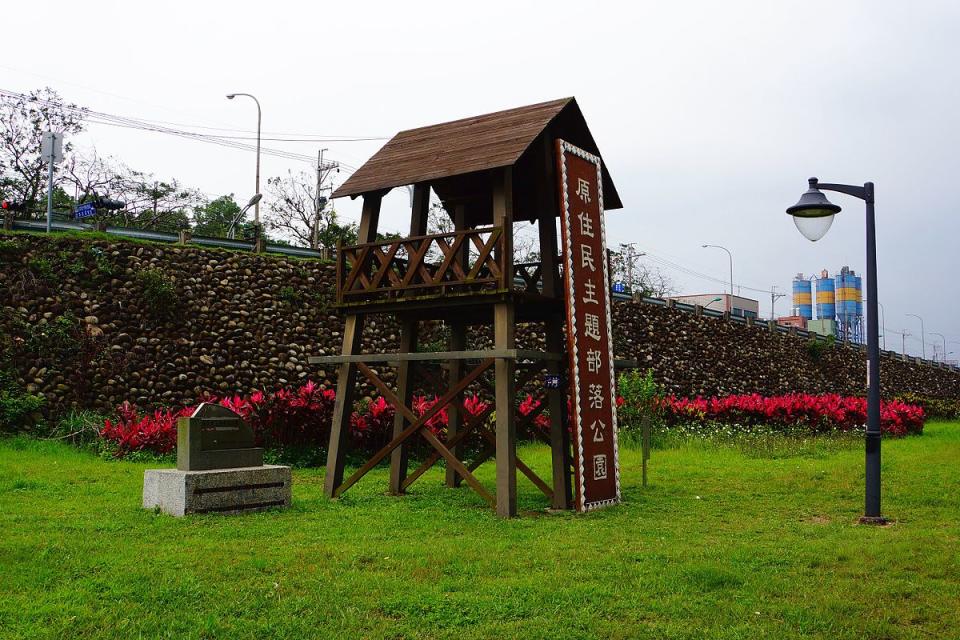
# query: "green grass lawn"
x,y
722,544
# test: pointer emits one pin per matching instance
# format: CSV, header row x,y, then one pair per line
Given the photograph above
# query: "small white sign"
x,y
51,147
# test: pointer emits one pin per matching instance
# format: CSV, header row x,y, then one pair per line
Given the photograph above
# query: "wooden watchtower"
x,y
489,172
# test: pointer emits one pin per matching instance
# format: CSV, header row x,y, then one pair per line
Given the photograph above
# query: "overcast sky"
x,y
709,115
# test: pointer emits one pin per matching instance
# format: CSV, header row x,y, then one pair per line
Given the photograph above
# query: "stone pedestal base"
x,y
217,490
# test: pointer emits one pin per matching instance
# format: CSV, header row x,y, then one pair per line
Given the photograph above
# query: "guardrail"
x,y
166,236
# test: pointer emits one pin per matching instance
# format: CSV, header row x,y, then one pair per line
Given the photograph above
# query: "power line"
x,y
102,118
687,270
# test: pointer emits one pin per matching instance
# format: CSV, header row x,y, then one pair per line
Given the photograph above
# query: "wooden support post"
x,y
458,342
408,344
399,457
561,454
556,398
506,415
352,336
504,330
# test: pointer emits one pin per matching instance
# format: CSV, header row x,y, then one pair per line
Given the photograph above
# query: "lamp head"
x,y
813,213
255,199
231,96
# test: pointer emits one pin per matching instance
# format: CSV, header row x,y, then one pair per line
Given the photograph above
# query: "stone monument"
x,y
219,470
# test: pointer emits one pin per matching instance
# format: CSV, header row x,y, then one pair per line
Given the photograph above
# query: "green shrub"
x,y
10,249
57,338
159,290
71,262
642,397
937,408
816,348
101,261
289,295
43,268
19,411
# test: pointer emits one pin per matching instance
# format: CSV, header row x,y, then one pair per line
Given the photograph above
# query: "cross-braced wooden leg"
x,y
504,338
458,342
419,425
452,442
342,407
399,457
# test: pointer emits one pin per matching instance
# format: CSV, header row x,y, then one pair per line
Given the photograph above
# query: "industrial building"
x,y
736,305
839,304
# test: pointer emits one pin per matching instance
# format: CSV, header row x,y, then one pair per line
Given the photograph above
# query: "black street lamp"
x,y
813,215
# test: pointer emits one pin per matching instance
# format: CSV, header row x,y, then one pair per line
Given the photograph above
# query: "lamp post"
x,y
256,210
729,255
923,333
254,201
944,338
813,214
953,342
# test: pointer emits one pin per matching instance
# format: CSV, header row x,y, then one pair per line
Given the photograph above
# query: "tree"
x,y
23,119
295,211
214,217
90,175
149,203
646,280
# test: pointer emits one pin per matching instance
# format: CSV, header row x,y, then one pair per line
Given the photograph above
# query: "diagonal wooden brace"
x,y
418,423
460,437
523,468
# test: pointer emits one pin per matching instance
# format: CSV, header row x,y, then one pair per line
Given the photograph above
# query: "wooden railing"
x,y
457,262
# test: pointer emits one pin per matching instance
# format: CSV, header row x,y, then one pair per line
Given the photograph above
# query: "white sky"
x,y
709,115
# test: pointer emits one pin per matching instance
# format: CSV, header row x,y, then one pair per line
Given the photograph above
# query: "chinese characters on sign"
x,y
589,339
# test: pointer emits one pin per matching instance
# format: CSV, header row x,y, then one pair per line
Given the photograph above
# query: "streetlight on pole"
x,y
254,201
256,210
923,339
813,214
729,255
707,306
944,338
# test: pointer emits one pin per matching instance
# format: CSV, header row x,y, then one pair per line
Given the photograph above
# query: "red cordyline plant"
x,y
155,432
819,413
288,417
302,417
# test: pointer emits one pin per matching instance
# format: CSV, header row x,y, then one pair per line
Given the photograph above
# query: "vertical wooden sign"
x,y
589,336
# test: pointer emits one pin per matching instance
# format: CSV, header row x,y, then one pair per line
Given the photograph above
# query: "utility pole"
x,y
630,266
627,253
903,342
774,296
323,170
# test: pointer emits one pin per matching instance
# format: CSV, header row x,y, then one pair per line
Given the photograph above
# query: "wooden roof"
x,y
472,145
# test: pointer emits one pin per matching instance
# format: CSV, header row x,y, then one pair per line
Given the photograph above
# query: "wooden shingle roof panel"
x,y
463,146
473,145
